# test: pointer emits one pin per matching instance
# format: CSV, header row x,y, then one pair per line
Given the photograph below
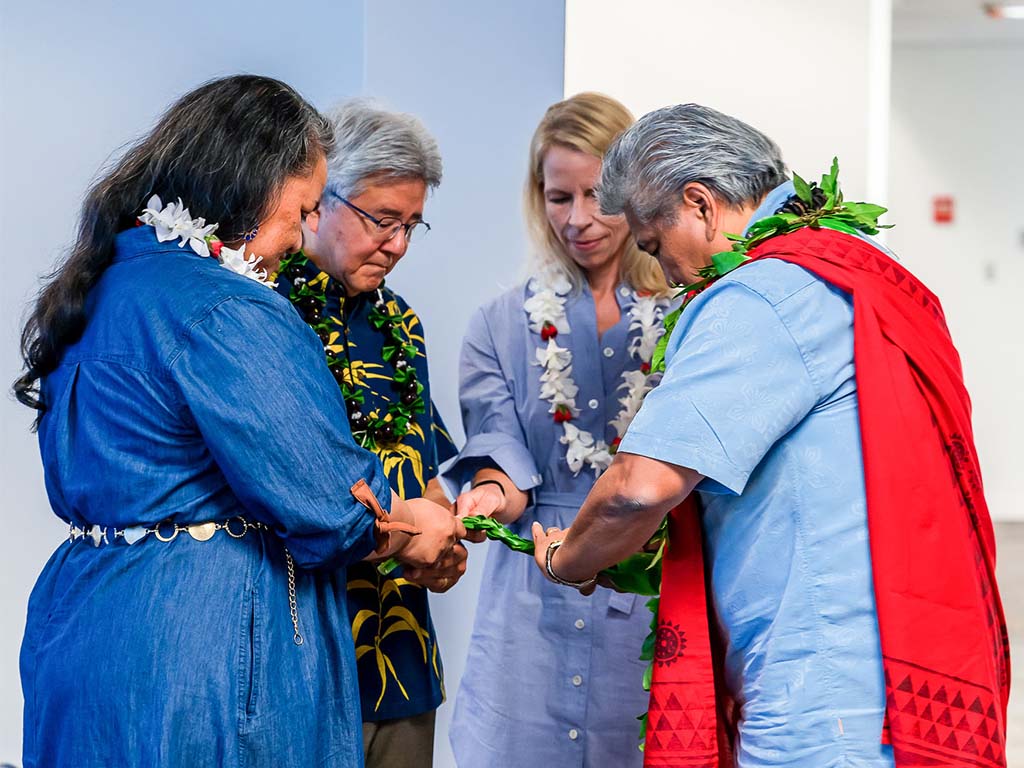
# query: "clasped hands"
x,y
440,519
443,531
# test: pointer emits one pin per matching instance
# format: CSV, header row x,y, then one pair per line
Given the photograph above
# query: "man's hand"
x,y
542,539
442,576
440,532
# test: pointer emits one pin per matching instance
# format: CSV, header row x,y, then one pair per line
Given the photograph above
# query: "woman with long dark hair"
x,y
192,438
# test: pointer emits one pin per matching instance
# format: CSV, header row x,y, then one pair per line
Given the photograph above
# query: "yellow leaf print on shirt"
x,y
391,618
395,456
410,321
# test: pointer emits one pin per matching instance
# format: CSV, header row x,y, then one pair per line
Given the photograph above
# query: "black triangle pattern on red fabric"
x,y
682,730
938,719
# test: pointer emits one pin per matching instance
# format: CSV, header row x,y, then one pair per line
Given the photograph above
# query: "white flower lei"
x,y
174,221
546,311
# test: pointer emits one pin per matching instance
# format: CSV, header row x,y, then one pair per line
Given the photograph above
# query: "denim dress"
x,y
552,677
195,395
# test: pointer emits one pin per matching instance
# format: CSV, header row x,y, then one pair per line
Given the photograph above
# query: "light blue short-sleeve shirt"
x,y
759,396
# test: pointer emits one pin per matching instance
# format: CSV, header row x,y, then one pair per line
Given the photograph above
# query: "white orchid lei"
x,y
546,311
174,221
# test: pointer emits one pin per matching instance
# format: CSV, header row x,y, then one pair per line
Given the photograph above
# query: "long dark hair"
x,y
225,149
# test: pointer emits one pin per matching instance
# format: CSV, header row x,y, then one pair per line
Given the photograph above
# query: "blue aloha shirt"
x,y
399,664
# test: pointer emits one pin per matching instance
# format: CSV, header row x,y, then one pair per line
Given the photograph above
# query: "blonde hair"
x,y
589,123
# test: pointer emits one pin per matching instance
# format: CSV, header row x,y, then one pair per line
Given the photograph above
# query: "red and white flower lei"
x,y
174,221
546,311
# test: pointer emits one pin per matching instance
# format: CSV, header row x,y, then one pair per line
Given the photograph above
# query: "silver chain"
x,y
292,603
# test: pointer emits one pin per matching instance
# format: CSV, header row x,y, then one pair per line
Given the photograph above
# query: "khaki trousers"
x,y
404,743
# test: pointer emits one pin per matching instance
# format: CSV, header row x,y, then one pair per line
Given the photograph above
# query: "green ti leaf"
x,y
647,651
833,222
803,189
648,677
830,181
727,261
768,226
658,357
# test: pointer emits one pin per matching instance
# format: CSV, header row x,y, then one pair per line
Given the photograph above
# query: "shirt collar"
x,y
772,202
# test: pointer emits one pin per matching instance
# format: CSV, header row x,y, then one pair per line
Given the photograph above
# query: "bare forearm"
x,y
622,511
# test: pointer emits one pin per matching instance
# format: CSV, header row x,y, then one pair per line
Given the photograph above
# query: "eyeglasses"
x,y
389,226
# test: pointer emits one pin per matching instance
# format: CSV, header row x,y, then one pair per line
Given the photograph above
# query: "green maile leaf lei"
x,y
816,205
370,432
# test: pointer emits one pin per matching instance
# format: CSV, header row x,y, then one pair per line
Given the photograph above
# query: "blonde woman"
x,y
551,374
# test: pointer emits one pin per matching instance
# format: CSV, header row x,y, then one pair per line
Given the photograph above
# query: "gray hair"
x,y
372,141
648,166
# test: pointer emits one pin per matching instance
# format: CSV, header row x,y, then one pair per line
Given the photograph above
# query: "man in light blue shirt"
x,y
757,413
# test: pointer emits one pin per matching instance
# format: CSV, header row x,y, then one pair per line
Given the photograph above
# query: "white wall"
x,y
799,70
958,119
77,81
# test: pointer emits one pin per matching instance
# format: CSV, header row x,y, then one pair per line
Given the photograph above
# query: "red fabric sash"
x,y
944,642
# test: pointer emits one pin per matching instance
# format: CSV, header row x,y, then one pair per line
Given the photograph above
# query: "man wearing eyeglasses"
x,y
370,212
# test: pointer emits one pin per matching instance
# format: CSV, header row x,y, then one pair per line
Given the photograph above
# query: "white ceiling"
x,y
924,21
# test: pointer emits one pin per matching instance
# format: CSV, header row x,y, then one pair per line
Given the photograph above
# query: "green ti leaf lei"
x,y
815,206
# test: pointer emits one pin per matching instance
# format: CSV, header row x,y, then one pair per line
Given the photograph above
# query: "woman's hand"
x,y
444,574
440,532
485,500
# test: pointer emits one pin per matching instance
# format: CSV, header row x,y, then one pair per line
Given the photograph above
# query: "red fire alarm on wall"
x,y
942,209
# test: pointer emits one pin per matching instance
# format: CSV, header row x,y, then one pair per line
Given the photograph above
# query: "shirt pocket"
x,y
622,602
250,672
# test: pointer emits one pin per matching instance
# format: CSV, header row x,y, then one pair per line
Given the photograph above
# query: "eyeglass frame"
x,y
408,228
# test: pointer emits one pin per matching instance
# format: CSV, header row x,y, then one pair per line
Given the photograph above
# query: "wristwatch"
x,y
555,577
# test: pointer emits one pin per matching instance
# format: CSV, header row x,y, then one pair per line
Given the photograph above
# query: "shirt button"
x,y
608,352
593,404
574,734
577,680
580,624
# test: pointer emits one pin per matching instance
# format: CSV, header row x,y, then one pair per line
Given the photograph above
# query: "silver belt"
x,y
168,530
